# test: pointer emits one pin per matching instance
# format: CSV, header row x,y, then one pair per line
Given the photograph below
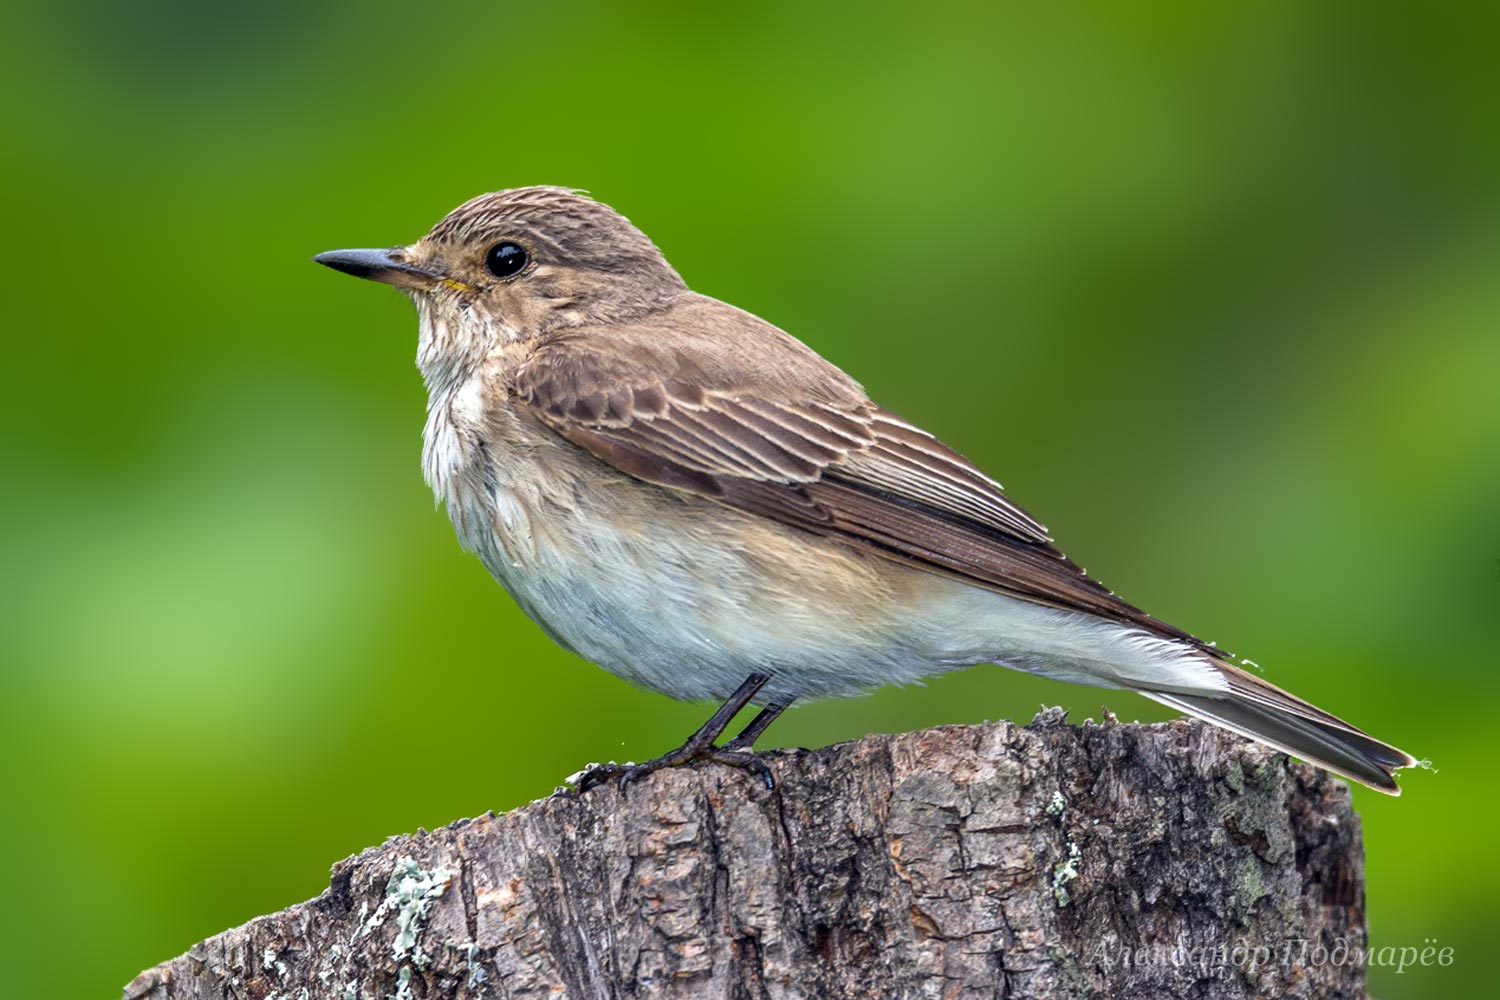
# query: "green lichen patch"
x,y
473,964
1064,874
1250,881
409,893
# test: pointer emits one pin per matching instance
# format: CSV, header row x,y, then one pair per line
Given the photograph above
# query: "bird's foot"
x,y
623,774
702,745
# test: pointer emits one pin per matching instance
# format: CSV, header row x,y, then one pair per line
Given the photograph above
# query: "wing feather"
x,y
850,471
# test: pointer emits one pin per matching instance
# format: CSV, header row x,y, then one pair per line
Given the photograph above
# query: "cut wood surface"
x,y
1051,860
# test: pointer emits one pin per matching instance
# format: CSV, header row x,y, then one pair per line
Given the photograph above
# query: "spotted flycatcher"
x,y
697,502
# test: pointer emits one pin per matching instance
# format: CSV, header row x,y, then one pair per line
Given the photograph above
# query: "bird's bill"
x,y
382,265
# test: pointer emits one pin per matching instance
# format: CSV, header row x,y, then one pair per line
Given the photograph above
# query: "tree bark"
x,y
1110,860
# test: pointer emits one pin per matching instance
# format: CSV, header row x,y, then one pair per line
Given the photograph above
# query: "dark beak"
x,y
379,265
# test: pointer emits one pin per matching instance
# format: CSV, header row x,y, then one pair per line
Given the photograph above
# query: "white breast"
x,y
688,598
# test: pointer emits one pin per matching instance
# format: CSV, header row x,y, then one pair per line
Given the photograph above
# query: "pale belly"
x,y
689,598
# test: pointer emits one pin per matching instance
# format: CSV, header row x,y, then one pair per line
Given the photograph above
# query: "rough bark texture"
x,y
963,862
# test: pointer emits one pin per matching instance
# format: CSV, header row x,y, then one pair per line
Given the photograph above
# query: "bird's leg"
x,y
747,737
699,746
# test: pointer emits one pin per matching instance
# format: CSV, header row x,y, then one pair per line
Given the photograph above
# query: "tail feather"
x,y
1263,712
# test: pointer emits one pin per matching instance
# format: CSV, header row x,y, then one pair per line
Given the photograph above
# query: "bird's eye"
x,y
505,259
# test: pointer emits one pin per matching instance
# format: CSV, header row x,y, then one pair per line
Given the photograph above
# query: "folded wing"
x,y
844,468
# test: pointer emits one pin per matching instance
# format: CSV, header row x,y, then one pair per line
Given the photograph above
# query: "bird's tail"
x,y
1264,712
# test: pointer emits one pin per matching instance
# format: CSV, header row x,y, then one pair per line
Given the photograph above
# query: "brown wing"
x,y
842,468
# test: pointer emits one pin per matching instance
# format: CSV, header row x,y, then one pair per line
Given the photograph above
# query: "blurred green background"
x,y
1212,288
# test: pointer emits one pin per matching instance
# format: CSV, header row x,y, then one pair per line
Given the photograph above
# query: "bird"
x,y
684,494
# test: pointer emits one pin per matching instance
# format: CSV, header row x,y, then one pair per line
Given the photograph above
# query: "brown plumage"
x,y
679,416
592,359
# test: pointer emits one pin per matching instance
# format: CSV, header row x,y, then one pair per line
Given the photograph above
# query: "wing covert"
x,y
851,471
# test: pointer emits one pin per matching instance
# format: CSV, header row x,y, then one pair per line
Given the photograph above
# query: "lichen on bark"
x,y
966,861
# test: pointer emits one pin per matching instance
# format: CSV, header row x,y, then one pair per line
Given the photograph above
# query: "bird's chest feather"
x,y
670,591
567,537
475,459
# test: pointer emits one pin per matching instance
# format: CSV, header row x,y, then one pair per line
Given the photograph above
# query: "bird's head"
x,y
514,265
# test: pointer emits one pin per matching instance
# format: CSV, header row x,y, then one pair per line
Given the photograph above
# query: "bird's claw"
x,y
624,774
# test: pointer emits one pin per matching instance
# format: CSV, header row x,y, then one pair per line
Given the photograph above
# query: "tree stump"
x,y
1135,861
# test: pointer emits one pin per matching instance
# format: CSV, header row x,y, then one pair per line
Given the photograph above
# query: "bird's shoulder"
x,y
696,344
713,399
707,399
